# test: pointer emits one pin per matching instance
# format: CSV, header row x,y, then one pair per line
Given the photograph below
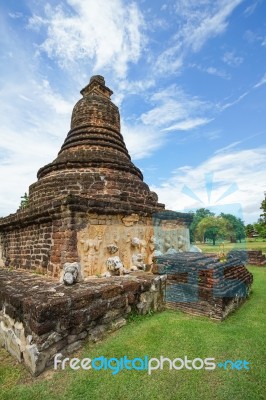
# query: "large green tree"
x,y
212,227
237,231
260,227
198,215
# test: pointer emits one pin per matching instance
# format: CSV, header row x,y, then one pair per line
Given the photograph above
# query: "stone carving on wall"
x,y
127,243
135,243
137,262
71,273
112,248
126,251
151,251
115,266
143,245
91,242
129,220
181,244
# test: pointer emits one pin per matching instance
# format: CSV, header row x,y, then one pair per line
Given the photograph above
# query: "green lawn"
x,y
171,334
251,244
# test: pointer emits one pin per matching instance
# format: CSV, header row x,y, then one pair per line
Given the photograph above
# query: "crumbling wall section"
x,y
40,317
202,285
76,229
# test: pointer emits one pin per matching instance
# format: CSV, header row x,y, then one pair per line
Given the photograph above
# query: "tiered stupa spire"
x,y
94,162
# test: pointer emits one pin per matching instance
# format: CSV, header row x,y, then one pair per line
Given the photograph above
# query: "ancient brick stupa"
x,y
91,204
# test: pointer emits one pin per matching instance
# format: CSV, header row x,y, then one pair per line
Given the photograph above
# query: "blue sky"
x,y
189,77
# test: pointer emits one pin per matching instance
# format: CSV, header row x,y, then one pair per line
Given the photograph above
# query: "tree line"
x,y
208,226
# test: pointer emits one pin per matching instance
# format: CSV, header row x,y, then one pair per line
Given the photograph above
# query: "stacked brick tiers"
x,y
40,317
202,285
93,162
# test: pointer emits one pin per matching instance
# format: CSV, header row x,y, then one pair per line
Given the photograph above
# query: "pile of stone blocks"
x,y
202,285
40,317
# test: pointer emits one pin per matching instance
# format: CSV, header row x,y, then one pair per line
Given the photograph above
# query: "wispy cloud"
x,y
231,59
35,120
223,107
109,35
141,140
15,15
175,110
211,70
261,82
250,9
188,124
227,148
198,21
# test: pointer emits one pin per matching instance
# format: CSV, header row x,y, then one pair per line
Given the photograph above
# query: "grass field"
x,y
248,245
171,334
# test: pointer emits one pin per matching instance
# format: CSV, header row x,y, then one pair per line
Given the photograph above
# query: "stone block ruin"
x,y
41,317
80,256
200,284
254,257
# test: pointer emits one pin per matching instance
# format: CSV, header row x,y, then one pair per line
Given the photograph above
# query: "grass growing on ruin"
x,y
171,334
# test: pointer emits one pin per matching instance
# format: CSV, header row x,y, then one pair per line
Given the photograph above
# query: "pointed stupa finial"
x,y
97,86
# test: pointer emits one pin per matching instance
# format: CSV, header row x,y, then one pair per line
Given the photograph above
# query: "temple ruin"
x,y
90,204
94,244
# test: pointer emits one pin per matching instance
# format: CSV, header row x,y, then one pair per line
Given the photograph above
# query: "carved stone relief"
x,y
128,245
71,273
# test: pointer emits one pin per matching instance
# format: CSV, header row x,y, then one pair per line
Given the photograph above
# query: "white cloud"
x,y
135,87
232,103
229,147
141,141
188,124
15,15
244,169
127,87
217,72
250,9
212,71
214,23
176,110
106,33
231,59
35,121
198,21
261,82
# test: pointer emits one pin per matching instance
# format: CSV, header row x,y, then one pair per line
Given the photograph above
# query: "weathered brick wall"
x,y
28,247
40,317
45,238
39,239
